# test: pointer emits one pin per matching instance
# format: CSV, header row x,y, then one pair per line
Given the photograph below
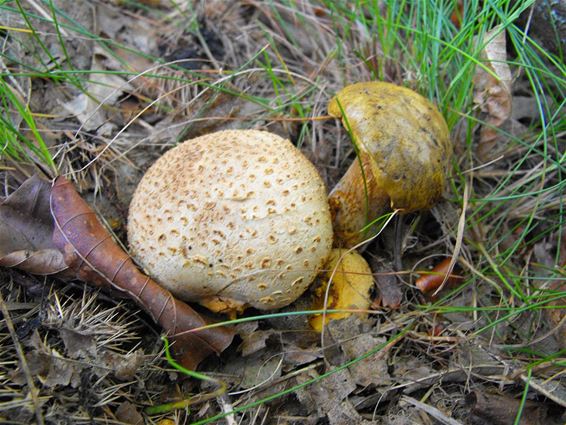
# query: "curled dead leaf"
x,y
501,409
90,251
26,229
389,293
431,281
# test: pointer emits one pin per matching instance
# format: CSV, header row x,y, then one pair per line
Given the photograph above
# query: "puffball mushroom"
x,y
404,148
232,219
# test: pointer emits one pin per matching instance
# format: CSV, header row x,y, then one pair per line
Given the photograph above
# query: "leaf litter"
x,y
121,362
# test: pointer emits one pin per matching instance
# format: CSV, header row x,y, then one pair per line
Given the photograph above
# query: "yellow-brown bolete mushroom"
x,y
404,147
232,219
350,280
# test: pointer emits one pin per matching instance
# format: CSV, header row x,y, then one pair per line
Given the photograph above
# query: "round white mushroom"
x,y
231,219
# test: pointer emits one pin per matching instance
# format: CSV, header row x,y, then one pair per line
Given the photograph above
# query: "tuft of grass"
x,y
15,144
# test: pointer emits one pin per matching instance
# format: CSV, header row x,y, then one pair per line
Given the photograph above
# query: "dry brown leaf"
x,y
90,251
53,368
324,394
260,368
50,367
297,356
556,314
102,89
40,216
254,342
327,395
390,292
78,344
26,230
429,282
550,388
388,286
354,339
128,414
372,370
62,372
502,409
491,94
123,366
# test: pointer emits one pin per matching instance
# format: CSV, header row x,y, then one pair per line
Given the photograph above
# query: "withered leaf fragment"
x,y
389,291
501,409
430,282
492,92
26,230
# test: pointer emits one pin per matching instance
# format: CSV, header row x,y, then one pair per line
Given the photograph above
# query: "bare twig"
x,y
459,238
553,390
226,407
432,411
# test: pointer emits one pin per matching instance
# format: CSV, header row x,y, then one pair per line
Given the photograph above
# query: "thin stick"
x,y
227,408
459,238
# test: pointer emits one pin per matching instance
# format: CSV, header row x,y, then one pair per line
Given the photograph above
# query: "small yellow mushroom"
x,y
404,148
350,287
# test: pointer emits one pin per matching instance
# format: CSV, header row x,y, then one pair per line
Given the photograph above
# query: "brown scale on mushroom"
x,y
269,210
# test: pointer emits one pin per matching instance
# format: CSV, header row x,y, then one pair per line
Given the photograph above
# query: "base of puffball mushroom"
x,y
224,305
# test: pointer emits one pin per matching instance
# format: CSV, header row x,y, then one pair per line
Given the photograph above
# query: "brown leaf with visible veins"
x,y
389,290
26,230
46,229
90,251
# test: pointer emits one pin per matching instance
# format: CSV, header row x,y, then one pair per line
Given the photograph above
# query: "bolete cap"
x,y
231,219
405,137
403,148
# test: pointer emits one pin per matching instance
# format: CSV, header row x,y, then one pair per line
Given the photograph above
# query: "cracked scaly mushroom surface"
x,y
231,219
